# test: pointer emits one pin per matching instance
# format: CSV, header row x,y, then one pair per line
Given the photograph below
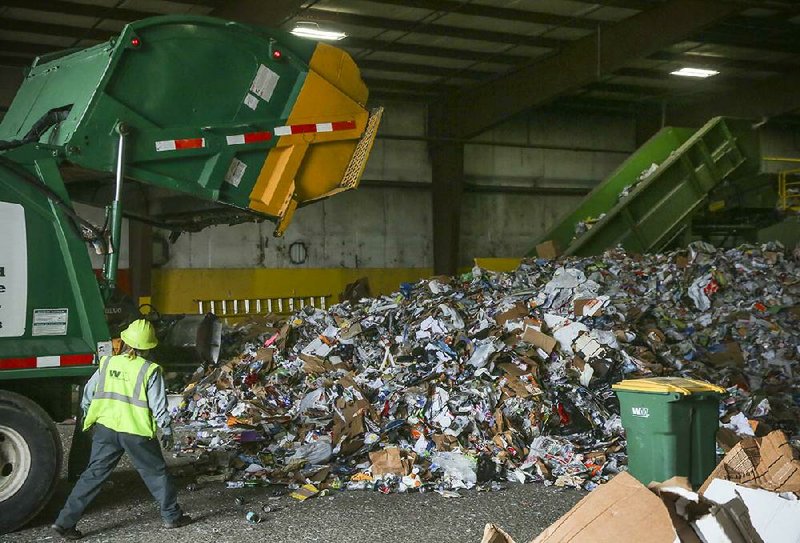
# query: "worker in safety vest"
x,y
125,401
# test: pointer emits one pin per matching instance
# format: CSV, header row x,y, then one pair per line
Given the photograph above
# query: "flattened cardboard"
x,y
760,429
523,386
356,290
517,312
727,439
589,307
304,492
350,424
351,332
730,357
769,463
314,364
494,534
445,442
773,518
548,249
718,526
620,510
674,493
541,340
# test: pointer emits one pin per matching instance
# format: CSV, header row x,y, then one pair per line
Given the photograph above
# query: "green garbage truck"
x,y
216,111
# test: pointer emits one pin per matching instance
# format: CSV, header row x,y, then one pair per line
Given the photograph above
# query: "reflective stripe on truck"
x,y
46,361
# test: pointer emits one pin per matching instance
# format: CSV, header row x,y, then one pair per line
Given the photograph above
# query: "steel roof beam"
x,y
418,27
84,10
424,69
256,12
416,87
428,51
579,63
640,5
494,12
9,60
48,29
737,39
759,99
27,48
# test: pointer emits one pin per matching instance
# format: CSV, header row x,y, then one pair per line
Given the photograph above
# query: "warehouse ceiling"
x,y
512,52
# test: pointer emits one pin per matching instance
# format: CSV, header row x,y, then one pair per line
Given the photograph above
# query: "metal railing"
x,y
249,307
789,190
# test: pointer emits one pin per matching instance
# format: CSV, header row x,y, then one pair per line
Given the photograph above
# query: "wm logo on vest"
x,y
640,412
116,374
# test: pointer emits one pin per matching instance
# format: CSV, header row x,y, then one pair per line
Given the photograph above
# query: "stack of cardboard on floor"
x,y
751,497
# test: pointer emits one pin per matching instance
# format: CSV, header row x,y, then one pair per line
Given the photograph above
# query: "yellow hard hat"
x,y
140,334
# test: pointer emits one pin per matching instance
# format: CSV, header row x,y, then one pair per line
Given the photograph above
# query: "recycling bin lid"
x,y
662,385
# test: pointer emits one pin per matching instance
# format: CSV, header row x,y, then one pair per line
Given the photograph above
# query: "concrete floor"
x,y
124,511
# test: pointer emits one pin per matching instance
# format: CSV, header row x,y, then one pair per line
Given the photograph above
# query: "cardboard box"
x,y
730,357
625,510
314,364
769,463
494,534
392,460
761,515
517,312
677,495
445,442
590,307
548,249
727,439
534,336
620,510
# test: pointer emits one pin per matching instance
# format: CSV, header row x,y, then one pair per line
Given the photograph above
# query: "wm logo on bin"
x,y
640,412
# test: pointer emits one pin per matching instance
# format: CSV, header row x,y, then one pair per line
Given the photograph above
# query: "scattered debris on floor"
x,y
752,497
491,377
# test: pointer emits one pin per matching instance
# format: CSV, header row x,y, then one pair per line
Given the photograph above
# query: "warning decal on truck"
x,y
50,322
235,172
13,270
264,83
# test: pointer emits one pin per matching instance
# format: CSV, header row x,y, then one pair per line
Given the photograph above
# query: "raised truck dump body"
x,y
248,117
650,200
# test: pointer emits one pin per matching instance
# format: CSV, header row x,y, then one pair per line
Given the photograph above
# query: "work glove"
x,y
167,439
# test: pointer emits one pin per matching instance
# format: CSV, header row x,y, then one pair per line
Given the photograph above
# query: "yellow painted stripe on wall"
x,y
176,290
498,264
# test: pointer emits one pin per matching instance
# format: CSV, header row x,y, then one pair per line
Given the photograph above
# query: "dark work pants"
x,y
108,447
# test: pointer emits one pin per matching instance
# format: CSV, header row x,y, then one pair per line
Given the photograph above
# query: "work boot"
x,y
182,520
67,533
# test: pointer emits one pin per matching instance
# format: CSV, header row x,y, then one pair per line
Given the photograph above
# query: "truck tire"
x,y
30,460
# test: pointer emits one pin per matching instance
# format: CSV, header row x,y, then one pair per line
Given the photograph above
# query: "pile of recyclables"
x,y
493,377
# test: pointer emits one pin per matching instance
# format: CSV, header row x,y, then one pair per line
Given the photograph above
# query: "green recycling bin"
x,y
671,426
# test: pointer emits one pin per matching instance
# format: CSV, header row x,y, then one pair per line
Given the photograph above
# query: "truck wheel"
x,y
30,460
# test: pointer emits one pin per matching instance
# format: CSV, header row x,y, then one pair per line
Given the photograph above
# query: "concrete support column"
x,y
447,162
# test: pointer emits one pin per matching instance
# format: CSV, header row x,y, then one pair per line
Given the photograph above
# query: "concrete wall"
x,y
555,151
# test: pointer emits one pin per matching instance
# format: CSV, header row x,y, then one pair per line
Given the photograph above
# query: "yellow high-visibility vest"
x,y
120,400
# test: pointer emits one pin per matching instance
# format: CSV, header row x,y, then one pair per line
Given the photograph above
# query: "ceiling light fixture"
x,y
313,31
695,72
